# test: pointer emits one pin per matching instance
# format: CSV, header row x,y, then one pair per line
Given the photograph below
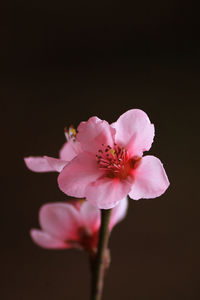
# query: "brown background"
x,y
63,62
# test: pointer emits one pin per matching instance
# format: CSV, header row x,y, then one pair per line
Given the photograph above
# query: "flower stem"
x,y
102,258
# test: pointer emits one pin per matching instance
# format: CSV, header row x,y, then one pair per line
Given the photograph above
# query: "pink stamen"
x,y
116,162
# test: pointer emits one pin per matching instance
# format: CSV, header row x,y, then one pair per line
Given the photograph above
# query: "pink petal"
x,y
81,171
150,179
38,164
105,193
90,216
61,220
134,131
45,240
118,212
56,163
93,133
70,150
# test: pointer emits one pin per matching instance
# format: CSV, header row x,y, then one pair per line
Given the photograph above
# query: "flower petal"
x,y
150,179
38,164
61,220
56,163
118,212
69,150
45,240
81,171
105,193
93,133
90,216
134,131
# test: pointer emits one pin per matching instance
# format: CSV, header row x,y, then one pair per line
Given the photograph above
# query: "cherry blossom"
x,y
111,165
49,164
64,225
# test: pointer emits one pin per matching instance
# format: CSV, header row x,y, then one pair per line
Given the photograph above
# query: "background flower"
x,y
64,226
49,164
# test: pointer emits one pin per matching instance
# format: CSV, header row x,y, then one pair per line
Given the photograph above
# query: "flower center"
x,y
88,240
116,161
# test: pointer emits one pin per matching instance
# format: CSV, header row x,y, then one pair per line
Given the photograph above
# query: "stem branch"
x,y
101,260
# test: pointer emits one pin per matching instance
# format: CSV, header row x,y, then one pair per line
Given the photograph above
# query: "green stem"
x,y
101,260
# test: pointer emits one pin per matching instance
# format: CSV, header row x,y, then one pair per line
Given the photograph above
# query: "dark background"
x,y
62,62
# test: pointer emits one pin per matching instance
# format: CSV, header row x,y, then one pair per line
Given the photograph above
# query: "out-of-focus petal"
x,y
105,193
56,163
61,220
118,212
134,131
93,133
81,171
47,241
70,150
90,216
150,179
38,164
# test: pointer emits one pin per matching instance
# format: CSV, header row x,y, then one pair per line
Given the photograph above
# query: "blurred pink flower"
x,y
49,164
64,225
111,165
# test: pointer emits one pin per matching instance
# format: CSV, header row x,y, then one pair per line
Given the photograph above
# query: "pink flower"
x,y
65,226
111,165
49,164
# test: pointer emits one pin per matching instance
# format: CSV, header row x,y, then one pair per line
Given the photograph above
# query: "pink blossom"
x,y
64,225
49,164
111,163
